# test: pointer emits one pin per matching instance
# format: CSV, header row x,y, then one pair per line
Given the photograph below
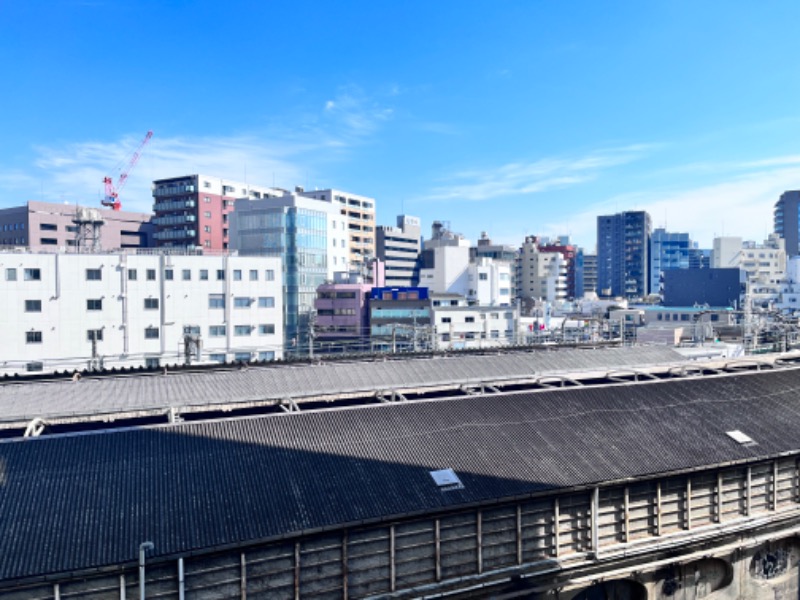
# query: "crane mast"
x,y
112,191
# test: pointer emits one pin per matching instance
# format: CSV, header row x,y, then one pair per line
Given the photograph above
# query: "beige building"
x,y
359,217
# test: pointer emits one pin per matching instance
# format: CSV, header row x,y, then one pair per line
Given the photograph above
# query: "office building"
x,y
311,236
787,221
622,254
541,274
399,249
668,251
359,215
45,225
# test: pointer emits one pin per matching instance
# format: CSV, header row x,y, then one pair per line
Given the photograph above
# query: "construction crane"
x,y
112,191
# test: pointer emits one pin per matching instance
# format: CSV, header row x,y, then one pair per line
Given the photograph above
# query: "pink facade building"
x,y
342,308
37,225
192,211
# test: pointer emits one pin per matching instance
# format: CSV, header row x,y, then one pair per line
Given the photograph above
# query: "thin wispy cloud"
x,y
739,205
353,114
281,156
520,178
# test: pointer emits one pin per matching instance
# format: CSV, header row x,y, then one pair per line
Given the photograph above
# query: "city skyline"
x,y
527,119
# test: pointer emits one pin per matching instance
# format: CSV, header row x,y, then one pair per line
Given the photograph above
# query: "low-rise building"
x,y
460,325
400,319
47,225
77,311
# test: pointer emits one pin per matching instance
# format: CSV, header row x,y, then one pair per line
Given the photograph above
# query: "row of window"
x,y
215,301
218,301
153,333
13,226
244,356
150,274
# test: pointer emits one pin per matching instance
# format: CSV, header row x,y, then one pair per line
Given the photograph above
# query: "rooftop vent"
x,y
447,480
742,438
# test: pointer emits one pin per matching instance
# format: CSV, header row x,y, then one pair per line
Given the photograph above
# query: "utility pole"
x,y
312,322
394,338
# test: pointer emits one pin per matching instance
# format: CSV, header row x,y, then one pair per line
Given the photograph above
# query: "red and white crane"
x,y
112,191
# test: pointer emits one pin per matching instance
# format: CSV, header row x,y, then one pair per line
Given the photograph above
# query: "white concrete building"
x,y
725,253
63,311
541,275
458,325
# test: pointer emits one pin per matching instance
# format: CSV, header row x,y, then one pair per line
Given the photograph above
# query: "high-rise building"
x,y
787,221
192,211
585,273
359,213
668,251
622,254
399,248
43,225
567,250
310,235
541,275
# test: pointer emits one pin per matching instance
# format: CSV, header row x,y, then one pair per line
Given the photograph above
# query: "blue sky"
x,y
514,117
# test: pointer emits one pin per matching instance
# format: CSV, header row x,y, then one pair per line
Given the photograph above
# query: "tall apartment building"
x,y
668,251
541,274
359,213
46,225
192,211
119,309
310,235
399,249
567,251
623,254
787,221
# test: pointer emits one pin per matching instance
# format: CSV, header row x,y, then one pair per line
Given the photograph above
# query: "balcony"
x,y
174,190
174,205
175,234
174,219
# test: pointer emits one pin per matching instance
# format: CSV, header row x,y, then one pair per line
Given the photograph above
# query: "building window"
x,y
253,275
216,301
469,319
207,228
48,227
152,363
151,303
97,274
243,356
207,214
266,329
203,274
48,242
94,334
483,276
269,275
11,274
151,274
446,320
33,306
207,243
151,333
32,274
266,355
169,274
216,330
131,275
33,337
220,358
186,274
266,302
34,367
237,274
240,302
220,274
94,304
242,330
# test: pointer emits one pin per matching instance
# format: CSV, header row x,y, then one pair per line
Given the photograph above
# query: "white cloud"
x,y
737,205
520,178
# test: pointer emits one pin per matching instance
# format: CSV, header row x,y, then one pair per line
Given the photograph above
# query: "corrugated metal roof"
x,y
116,395
78,501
